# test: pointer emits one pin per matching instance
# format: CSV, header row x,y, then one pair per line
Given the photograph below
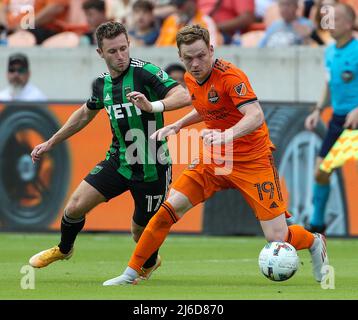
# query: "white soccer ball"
x,y
278,261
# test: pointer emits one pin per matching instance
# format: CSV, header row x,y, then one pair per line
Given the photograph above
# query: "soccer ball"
x,y
278,261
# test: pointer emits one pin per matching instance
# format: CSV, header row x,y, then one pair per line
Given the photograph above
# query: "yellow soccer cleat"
x,y
44,258
147,272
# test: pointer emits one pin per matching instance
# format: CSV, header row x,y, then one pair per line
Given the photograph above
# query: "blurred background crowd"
x,y
246,23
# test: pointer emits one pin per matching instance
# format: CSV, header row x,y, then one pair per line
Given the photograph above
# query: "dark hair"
x,y
349,12
19,58
109,30
145,5
98,5
174,67
189,34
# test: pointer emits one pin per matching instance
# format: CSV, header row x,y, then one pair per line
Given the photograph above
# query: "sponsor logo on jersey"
x,y
273,205
162,75
241,89
213,96
119,110
347,76
108,97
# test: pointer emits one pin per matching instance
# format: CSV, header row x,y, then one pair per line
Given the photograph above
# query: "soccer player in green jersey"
x,y
134,93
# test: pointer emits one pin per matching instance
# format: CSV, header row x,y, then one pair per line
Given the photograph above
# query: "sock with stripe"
x,y
69,229
320,199
299,237
153,235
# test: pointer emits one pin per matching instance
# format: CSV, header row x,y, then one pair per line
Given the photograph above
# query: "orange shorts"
x,y
257,180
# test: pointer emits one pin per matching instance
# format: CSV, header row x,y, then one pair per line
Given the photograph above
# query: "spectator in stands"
x,y
120,11
163,9
50,16
321,35
187,13
307,5
18,75
145,30
290,29
176,71
231,16
95,12
261,7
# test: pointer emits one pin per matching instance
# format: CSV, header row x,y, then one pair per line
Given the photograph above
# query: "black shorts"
x,y
148,196
335,129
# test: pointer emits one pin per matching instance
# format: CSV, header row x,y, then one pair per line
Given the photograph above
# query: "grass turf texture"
x,y
193,267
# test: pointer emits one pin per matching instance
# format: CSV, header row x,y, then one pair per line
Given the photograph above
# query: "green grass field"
x,y
194,267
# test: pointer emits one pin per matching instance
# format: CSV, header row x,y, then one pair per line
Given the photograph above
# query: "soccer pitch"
x,y
193,268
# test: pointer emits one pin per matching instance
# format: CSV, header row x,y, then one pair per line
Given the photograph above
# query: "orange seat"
x,y
272,13
62,40
21,38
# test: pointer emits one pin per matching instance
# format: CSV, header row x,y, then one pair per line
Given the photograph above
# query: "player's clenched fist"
x,y
140,100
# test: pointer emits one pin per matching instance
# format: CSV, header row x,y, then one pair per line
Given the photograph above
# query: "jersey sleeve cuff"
x,y
244,103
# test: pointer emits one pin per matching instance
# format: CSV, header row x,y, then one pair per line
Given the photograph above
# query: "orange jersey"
x,y
218,101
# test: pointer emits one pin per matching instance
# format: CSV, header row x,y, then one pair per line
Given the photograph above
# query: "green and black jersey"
x,y
139,158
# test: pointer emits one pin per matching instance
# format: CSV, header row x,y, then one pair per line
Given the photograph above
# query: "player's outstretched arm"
x,y
77,121
171,129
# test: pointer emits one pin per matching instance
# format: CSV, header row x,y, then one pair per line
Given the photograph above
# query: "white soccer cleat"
x,y
123,279
319,256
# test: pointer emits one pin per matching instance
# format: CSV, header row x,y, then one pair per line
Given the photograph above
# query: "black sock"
x,y
69,230
151,261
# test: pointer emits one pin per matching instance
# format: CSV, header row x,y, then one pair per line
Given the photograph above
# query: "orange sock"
x,y
299,237
153,235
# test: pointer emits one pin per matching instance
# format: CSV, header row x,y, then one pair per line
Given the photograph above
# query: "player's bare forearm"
x,y
176,98
76,122
253,119
189,119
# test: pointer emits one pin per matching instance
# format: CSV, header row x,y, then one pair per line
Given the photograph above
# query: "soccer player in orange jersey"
x,y
223,98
